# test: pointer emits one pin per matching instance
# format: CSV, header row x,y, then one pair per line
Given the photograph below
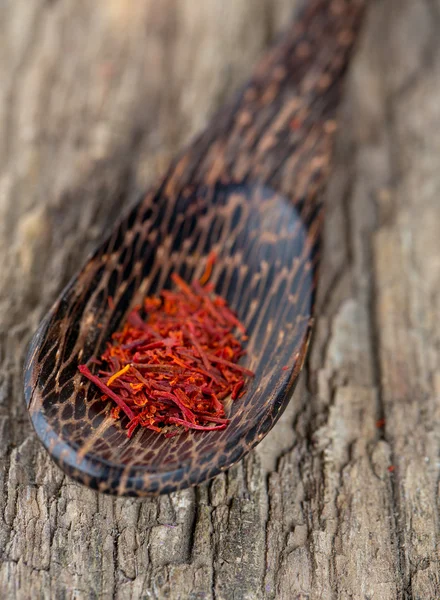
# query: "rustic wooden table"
x,y
95,98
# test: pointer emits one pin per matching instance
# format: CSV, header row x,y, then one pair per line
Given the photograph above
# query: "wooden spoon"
x,y
250,188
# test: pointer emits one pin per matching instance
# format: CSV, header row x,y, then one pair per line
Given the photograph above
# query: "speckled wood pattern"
x,y
250,188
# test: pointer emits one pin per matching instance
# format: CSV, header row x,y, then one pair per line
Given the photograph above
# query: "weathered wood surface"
x,y
95,98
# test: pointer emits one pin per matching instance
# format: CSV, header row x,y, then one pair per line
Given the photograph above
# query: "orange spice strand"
x,y
175,361
208,269
118,374
115,412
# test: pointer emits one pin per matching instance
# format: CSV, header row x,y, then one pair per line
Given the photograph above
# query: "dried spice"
x,y
175,360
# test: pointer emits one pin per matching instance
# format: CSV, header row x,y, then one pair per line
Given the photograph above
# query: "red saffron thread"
x,y
175,361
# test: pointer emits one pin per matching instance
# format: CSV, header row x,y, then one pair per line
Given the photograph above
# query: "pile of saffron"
x,y
175,361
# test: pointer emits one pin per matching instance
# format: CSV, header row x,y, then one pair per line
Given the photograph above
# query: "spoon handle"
x,y
280,128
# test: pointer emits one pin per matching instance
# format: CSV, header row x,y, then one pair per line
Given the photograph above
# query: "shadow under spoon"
x,y
250,188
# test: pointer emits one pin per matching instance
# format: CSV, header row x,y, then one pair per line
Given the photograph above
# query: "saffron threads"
x,y
208,269
175,361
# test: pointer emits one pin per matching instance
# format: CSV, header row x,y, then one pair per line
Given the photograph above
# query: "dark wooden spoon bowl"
x,y
250,188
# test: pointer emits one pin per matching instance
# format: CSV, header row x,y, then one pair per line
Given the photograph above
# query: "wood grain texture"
x,y
95,100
